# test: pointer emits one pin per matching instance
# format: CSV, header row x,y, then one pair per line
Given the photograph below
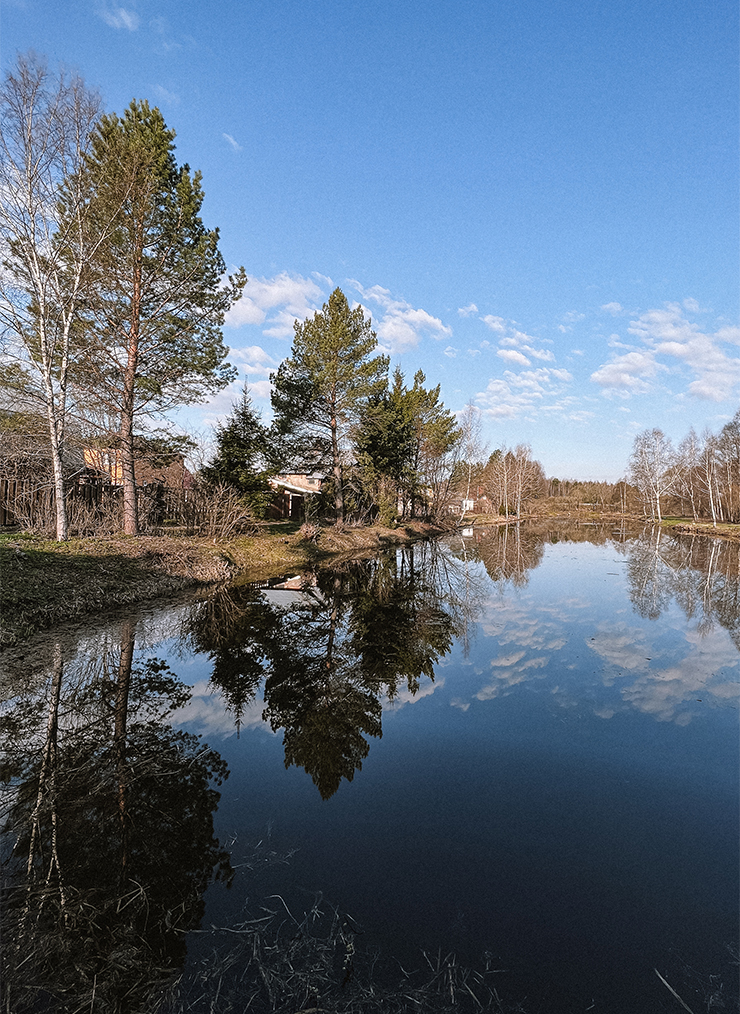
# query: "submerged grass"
x,y
276,962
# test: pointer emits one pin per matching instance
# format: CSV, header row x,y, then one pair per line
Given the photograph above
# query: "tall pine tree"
x,y
322,387
152,337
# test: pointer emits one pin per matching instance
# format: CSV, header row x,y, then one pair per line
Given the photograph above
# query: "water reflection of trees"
x,y
510,551
108,835
345,638
701,574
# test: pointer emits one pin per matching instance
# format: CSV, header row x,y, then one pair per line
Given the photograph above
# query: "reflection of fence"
x,y
97,507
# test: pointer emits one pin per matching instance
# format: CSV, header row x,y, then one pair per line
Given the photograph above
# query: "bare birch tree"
x,y
707,473
651,468
687,462
472,445
45,125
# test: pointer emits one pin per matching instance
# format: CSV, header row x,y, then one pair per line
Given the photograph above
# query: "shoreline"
x,y
44,582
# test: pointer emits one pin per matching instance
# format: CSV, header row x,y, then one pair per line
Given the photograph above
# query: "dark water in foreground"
x,y
519,746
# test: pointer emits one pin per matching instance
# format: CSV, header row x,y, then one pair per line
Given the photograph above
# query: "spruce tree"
x,y
241,458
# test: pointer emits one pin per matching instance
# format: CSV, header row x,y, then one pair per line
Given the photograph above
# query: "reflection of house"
x,y
292,592
291,492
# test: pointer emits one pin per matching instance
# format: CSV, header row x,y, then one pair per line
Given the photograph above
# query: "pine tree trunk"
x,y
128,470
339,494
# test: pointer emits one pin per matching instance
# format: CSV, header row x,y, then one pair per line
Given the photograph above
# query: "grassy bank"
x,y
43,582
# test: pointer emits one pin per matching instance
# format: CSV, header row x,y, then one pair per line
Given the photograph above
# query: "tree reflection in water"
x,y
348,637
109,829
509,552
701,574
108,812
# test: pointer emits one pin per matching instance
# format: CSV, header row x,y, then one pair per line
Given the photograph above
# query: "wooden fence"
x,y
97,507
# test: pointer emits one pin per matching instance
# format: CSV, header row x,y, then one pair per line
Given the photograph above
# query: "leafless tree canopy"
x,y
45,124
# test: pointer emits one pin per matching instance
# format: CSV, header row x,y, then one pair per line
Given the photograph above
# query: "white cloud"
x,y
400,326
667,334
166,97
254,360
451,351
411,696
456,702
507,660
119,17
526,345
467,311
234,144
665,693
513,356
518,393
621,646
260,389
615,342
276,302
205,712
629,372
495,323
613,308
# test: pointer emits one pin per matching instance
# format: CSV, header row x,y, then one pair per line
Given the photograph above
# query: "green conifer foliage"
x,y
241,458
152,327
324,385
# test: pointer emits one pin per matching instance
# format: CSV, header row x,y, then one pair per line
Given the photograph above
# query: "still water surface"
x,y
517,745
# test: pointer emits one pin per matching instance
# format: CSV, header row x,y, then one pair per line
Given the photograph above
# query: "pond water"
x,y
516,745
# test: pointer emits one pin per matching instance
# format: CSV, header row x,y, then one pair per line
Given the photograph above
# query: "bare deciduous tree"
x,y
513,478
687,464
45,125
472,446
652,468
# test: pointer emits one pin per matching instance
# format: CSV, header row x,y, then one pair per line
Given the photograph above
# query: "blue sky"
x,y
536,200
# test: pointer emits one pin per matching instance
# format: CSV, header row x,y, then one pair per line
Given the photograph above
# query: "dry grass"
x,y
43,582
723,530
